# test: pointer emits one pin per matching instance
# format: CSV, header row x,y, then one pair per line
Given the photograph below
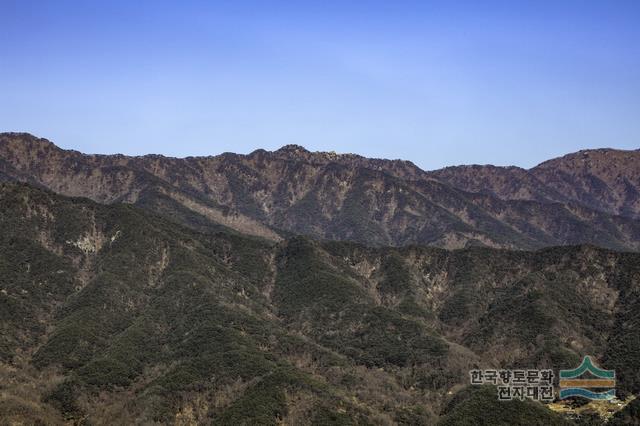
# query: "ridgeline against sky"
x,y
433,82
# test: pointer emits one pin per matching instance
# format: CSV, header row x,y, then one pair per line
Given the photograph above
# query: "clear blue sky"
x,y
436,82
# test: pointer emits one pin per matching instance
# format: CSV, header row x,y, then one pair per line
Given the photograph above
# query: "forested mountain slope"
x,y
111,313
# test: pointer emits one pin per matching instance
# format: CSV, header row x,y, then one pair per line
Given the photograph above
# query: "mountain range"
x,y
292,287
591,197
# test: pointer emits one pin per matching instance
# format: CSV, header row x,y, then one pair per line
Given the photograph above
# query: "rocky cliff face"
x,y
348,197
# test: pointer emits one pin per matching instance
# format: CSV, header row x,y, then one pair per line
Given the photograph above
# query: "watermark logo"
x,y
517,384
587,380
599,386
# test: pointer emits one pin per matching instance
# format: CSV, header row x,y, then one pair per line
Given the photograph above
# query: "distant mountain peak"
x,y
293,149
23,137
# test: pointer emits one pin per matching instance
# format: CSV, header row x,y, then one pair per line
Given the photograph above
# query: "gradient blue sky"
x,y
435,82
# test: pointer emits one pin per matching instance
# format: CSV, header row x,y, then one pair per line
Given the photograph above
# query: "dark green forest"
x,y
113,314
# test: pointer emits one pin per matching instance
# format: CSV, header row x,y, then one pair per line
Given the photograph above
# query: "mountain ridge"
x,y
332,196
301,149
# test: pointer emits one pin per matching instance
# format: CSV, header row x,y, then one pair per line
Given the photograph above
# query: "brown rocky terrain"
x,y
349,197
506,183
604,179
607,180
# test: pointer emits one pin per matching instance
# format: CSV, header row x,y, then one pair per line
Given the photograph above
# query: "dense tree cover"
x,y
479,406
120,314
